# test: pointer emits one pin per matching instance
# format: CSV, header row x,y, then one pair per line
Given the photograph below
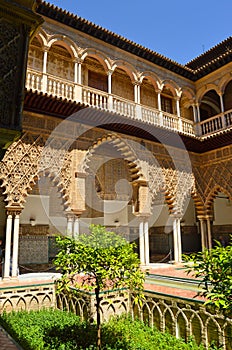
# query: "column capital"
x,y
78,60
110,71
138,83
202,217
46,48
69,215
13,211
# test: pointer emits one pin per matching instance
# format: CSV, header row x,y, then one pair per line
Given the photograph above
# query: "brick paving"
x,y
183,290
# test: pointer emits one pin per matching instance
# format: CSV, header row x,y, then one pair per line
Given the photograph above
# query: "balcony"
x,y
66,89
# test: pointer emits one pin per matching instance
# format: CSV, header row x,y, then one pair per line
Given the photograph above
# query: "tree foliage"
x,y
103,259
214,268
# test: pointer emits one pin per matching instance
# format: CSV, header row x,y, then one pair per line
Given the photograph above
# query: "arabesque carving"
x,y
26,160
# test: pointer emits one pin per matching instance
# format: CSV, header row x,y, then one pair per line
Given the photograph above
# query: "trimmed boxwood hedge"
x,y
59,330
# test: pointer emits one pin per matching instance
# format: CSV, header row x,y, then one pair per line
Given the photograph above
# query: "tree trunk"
x,y
98,300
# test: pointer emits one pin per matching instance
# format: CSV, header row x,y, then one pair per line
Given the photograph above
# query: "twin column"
x,y
11,250
144,241
73,225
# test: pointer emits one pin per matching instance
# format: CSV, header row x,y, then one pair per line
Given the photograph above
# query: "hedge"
x,y
59,330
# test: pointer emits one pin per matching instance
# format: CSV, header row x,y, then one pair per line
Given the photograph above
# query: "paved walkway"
x,y
178,283
6,342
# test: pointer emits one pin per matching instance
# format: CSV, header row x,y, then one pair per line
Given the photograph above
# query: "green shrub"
x,y
57,330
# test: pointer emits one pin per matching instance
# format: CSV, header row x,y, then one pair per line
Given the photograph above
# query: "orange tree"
x,y
214,268
105,259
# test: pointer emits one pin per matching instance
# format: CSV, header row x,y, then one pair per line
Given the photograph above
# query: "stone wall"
x,y
28,297
183,318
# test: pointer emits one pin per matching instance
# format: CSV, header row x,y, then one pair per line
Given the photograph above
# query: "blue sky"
x,y
180,30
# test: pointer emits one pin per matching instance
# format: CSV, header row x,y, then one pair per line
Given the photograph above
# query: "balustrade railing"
x,y
216,123
124,107
67,89
151,116
34,80
94,97
61,88
188,126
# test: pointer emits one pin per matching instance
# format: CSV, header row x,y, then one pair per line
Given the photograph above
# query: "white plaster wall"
x,y
36,207
161,217
222,211
115,213
189,217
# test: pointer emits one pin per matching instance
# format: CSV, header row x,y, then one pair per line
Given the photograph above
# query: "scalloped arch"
x,y
213,193
121,145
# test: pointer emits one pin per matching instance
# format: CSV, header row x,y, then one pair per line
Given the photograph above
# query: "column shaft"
x,y
178,107
70,226
109,82
76,227
175,241
45,77
159,100
146,241
203,243
75,72
8,247
222,103
15,247
141,243
79,73
138,94
209,236
179,240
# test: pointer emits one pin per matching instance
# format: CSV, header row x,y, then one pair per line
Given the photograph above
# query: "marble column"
x,y
209,235
141,243
7,258
177,240
146,243
70,218
15,252
45,77
76,227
